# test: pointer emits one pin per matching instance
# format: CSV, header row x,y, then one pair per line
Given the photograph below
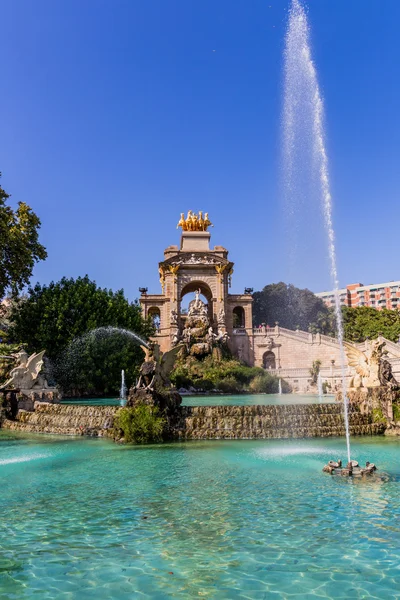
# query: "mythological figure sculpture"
x,y
221,316
370,368
156,368
174,317
26,374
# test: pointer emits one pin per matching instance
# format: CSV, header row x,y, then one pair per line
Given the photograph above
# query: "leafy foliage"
x,y
52,317
314,371
19,244
377,415
141,424
265,383
293,308
91,365
6,364
363,321
228,376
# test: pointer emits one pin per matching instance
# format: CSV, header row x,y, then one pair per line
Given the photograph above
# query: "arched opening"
x,y
154,313
187,296
269,361
238,317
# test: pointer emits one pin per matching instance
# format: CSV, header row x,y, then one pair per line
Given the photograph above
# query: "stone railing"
x,y
312,338
326,372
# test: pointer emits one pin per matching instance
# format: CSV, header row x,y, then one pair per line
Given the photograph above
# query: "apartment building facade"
x,y
378,295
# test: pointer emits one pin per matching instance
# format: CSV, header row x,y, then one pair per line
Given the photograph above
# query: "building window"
x,y
269,361
238,317
155,315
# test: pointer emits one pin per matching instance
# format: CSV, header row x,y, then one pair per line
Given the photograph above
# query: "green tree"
x,y
19,245
365,322
293,308
57,317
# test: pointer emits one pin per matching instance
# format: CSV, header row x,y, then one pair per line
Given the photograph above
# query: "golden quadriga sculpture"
x,y
194,222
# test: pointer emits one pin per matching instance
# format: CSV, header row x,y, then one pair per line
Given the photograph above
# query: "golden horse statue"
x,y
194,222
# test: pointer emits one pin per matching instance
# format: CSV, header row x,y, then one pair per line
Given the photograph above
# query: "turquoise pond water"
x,y
87,518
219,400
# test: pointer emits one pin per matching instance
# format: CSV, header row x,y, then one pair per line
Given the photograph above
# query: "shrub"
x,y
326,387
264,384
229,385
141,424
228,375
396,411
377,415
314,371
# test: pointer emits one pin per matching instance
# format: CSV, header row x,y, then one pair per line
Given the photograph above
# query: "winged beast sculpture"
x,y
156,368
26,374
369,368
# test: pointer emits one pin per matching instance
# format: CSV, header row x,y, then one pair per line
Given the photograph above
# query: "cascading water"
x,y
122,391
319,386
303,115
280,386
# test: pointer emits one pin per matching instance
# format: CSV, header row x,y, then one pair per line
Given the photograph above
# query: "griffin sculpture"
x,y
366,365
26,374
156,368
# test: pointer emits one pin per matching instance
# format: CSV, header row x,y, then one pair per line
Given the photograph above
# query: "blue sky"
x,y
117,115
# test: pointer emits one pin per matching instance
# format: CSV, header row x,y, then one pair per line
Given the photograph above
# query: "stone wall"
x,y
205,422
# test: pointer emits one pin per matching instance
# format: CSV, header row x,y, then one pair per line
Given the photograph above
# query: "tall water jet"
x,y
319,386
280,386
122,391
303,114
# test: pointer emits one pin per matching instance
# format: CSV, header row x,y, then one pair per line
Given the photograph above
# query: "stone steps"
x,y
64,419
278,432
285,421
204,422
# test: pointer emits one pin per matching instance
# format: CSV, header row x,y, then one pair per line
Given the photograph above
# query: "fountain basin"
x,y
88,518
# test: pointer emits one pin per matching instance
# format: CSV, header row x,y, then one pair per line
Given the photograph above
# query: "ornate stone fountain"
x,y
198,336
154,387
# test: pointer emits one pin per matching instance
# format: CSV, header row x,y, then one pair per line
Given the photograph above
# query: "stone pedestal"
x,y
27,398
373,398
167,402
195,241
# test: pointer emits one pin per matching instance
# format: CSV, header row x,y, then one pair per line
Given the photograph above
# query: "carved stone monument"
x,y
154,386
26,383
196,268
372,384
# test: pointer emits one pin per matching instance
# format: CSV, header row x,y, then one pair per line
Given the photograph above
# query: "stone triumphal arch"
x,y
194,269
191,268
